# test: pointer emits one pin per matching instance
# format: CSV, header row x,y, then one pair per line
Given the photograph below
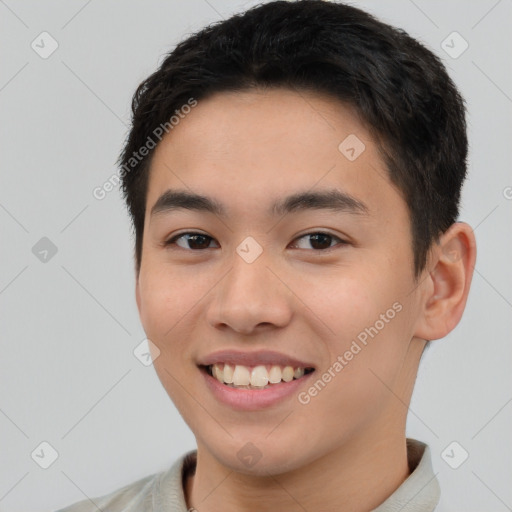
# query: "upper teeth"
x,y
258,376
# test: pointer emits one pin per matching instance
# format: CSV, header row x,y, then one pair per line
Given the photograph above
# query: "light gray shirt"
x,y
163,492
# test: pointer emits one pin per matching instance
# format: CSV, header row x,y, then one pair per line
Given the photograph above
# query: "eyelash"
x,y
172,241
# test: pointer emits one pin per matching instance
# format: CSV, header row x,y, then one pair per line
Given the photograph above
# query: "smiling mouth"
x,y
254,377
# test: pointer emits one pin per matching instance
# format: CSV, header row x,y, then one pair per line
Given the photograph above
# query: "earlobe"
x,y
448,282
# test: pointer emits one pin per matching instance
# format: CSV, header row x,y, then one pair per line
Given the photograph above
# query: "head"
x,y
315,157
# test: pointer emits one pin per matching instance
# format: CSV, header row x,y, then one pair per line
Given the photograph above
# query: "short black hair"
x,y
399,89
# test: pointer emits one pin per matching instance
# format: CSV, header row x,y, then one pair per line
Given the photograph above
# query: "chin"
x,y
261,457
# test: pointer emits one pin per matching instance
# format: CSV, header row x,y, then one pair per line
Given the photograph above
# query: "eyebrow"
x,y
331,199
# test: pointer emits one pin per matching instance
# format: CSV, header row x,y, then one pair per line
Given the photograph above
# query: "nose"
x,y
250,298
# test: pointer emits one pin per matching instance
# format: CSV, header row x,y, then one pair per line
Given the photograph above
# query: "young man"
x,y
293,176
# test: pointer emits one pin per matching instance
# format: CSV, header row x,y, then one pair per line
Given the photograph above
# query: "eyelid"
x,y
172,240
341,241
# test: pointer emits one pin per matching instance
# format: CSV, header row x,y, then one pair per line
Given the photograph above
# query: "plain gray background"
x,y
70,324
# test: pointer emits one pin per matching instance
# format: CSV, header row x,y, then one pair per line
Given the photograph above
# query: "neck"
x,y
343,478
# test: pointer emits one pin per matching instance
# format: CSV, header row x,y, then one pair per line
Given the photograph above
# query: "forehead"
x,y
250,148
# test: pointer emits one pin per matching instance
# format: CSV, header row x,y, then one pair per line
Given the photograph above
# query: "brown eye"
x,y
194,241
318,241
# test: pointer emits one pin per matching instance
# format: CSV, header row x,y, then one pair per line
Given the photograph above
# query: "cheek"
x,y
365,360
369,323
166,292
165,300
345,303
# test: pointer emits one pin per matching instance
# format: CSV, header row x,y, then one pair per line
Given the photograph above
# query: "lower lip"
x,y
253,399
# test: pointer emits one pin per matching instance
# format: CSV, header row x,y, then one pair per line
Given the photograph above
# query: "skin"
x,y
247,150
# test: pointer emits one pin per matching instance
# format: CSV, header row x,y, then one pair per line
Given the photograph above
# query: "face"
x,y
297,253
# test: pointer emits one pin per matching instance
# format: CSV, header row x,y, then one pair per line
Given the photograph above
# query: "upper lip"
x,y
260,357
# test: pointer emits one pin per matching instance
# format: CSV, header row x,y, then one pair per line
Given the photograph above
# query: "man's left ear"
x,y
446,287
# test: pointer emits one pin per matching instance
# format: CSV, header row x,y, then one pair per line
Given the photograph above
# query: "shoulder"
x,y
128,498
144,495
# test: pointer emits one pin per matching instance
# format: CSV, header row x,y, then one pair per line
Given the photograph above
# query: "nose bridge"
x,y
249,295
249,278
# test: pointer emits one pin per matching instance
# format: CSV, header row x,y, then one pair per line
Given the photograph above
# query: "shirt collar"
x,y
420,491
